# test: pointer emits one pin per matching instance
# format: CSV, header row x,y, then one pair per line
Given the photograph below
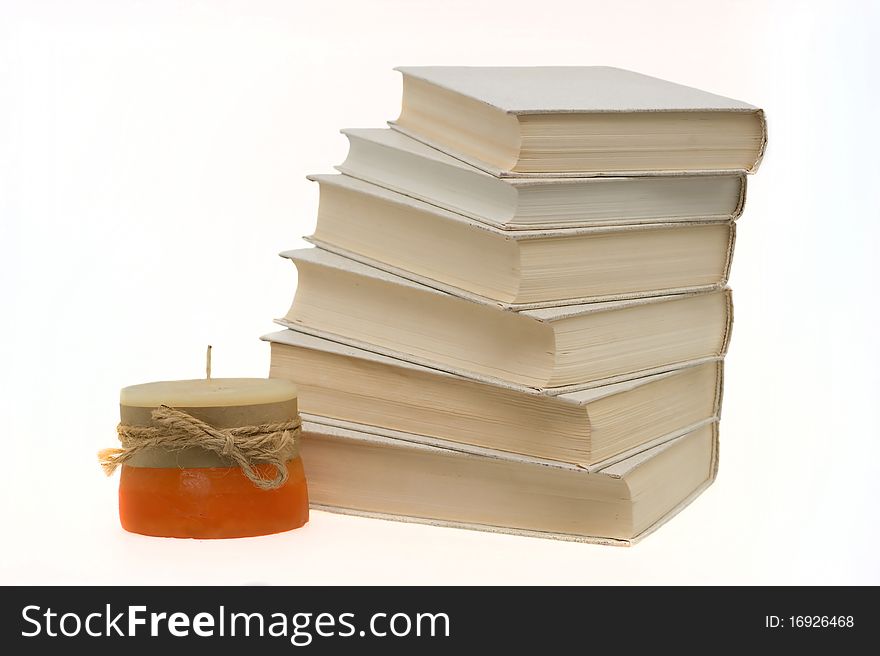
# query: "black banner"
x,y
429,620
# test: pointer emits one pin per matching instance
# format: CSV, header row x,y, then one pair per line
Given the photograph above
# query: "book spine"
x,y
725,340
741,203
719,388
762,149
728,261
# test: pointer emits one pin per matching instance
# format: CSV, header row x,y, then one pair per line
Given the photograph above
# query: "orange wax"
x,y
210,502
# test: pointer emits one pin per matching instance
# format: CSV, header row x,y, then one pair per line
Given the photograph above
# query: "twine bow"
x,y
245,445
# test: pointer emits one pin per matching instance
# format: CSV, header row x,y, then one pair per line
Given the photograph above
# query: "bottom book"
x,y
364,471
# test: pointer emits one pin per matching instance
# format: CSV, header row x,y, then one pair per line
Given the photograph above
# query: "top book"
x,y
577,121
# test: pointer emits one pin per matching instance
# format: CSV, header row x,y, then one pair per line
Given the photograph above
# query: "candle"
x,y
210,458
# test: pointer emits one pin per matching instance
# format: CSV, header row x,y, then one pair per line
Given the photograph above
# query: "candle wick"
x,y
208,363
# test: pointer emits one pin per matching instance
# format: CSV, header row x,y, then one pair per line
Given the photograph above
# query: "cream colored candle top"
x,y
220,402
208,393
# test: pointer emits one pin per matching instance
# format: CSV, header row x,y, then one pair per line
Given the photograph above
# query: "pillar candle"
x,y
195,492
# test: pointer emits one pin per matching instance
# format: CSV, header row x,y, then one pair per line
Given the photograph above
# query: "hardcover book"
x,y
584,428
577,120
566,348
390,159
521,268
392,475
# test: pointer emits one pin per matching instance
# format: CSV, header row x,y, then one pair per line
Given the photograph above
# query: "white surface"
x,y
152,163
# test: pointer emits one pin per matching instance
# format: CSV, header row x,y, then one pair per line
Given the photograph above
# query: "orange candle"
x,y
192,488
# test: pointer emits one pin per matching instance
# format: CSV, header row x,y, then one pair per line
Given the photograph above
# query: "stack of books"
x,y
515,313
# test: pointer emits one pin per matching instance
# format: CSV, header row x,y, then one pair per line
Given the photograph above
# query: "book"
x,y
400,476
395,161
526,268
570,347
584,428
585,120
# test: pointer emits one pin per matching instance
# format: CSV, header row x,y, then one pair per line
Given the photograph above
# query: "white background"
x,y
152,163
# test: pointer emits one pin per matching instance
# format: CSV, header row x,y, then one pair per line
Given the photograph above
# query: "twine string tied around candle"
x,y
246,446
